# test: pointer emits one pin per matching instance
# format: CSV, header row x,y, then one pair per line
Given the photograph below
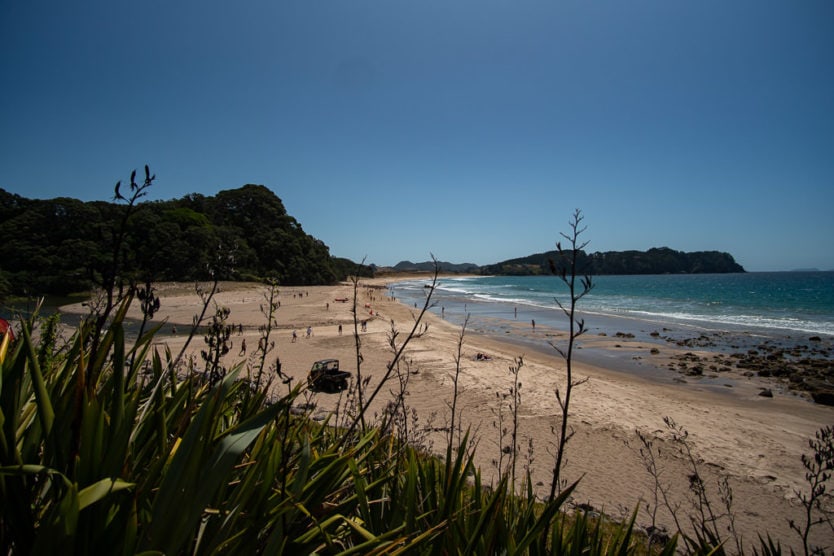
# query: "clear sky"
x,y
470,130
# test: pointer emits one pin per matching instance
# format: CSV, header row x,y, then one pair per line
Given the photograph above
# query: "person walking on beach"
x,y
309,331
340,330
242,347
294,336
534,324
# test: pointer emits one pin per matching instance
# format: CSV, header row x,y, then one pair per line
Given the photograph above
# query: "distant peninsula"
x,y
658,260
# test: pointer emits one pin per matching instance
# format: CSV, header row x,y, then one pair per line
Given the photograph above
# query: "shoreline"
x,y
703,353
612,310
756,441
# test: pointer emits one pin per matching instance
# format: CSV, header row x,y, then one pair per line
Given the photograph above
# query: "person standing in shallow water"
x,y
533,323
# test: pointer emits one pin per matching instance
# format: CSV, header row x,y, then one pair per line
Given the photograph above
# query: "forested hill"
x,y
659,260
63,245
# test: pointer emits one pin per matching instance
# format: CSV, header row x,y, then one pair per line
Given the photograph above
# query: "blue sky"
x,y
395,129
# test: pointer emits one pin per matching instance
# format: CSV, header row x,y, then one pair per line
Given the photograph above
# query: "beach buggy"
x,y
325,376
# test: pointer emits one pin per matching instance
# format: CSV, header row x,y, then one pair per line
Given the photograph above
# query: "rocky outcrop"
x,y
803,368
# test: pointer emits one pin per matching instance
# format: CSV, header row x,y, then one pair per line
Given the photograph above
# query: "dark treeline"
x,y
659,260
62,245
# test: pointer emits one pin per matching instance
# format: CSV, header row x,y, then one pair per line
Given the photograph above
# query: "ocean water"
x,y
772,304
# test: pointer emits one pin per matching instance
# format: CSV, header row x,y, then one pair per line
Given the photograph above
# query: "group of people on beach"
x,y
363,325
308,335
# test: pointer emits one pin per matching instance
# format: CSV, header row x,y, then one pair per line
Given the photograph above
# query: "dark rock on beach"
x,y
801,368
825,397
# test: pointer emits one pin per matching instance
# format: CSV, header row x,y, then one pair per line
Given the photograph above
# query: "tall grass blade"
x,y
44,404
99,490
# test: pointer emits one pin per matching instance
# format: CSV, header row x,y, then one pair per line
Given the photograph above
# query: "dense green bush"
x,y
62,245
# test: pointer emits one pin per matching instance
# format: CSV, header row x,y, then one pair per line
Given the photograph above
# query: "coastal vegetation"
x,y
155,459
60,246
116,445
139,451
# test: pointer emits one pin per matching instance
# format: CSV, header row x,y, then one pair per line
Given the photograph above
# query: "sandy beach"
x,y
752,440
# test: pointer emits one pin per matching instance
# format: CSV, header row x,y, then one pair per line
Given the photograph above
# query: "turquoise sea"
x,y
781,305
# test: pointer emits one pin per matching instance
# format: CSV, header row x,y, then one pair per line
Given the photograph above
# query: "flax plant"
x,y
114,285
515,406
454,413
819,467
398,350
265,344
579,285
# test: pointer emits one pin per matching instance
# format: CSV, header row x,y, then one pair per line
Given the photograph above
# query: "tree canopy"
x,y
60,246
